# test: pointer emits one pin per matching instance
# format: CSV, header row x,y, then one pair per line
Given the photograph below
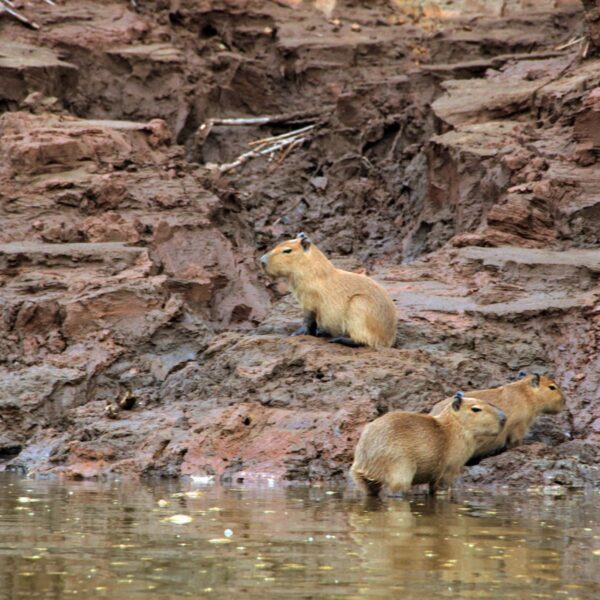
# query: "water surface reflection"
x,y
109,540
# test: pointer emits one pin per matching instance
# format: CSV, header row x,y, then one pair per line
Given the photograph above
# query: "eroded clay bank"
x,y
452,155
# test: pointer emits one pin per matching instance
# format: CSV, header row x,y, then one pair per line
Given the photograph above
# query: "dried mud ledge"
x,y
454,156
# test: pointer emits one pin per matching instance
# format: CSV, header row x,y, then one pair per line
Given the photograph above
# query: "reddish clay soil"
x,y
453,155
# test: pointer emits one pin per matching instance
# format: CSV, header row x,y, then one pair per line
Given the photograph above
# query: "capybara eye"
x,y
552,387
286,251
476,409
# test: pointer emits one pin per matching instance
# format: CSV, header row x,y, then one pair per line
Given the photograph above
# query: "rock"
x,y
110,227
27,69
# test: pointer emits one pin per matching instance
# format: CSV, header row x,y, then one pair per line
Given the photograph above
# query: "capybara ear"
x,y
521,374
458,398
535,380
304,240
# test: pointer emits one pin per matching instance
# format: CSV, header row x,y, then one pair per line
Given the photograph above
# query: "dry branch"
x,y
8,7
244,121
295,117
282,136
246,156
267,145
570,43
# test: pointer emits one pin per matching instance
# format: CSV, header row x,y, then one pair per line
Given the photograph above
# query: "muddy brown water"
x,y
113,540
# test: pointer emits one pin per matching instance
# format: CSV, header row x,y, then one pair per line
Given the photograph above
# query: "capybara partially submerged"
x,y
401,449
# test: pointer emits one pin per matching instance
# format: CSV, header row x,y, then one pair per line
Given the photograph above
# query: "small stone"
x,y
355,27
319,183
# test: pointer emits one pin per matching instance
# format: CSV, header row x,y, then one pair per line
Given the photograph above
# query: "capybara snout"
x,y
502,415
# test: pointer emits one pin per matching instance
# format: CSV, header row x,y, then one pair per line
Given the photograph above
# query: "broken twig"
x,y
296,117
570,43
244,121
282,136
267,145
289,149
246,156
7,7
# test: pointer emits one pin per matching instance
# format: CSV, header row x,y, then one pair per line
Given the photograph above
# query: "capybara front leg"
x,y
309,327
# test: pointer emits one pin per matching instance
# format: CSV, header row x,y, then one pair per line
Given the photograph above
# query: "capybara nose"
x,y
502,416
264,259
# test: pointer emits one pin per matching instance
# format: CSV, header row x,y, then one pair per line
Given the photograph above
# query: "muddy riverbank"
x,y
452,151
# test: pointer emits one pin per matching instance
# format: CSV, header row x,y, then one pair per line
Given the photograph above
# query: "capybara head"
x,y
287,257
547,393
478,417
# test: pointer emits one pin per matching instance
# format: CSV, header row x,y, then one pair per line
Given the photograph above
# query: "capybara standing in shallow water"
x,y
352,308
401,449
522,401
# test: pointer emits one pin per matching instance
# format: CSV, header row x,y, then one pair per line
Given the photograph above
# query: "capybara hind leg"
x,y
443,483
362,326
345,341
400,482
434,488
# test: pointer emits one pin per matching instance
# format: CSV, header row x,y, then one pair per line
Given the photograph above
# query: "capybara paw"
x,y
303,330
345,341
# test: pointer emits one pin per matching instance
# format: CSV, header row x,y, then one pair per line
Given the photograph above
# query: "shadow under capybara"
x,y
521,401
352,308
401,449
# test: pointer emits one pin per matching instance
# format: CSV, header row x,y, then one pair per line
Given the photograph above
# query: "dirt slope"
x,y
453,153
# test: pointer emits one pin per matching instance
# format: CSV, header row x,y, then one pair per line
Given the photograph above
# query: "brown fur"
x,y
344,303
400,449
522,401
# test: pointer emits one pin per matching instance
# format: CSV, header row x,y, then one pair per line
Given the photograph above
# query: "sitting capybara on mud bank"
x,y
352,308
401,449
522,401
